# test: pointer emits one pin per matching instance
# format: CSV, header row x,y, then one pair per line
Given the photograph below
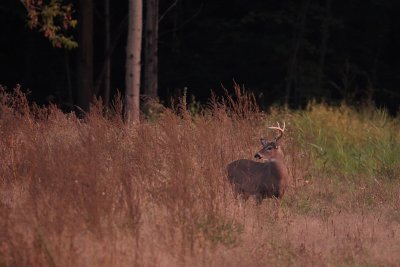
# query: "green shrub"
x,y
344,142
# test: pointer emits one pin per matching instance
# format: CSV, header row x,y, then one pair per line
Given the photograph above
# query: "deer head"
x,y
271,149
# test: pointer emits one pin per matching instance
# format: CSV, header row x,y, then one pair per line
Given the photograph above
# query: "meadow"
x,y
94,191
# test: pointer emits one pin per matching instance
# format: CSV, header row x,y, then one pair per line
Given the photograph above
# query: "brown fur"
x,y
260,179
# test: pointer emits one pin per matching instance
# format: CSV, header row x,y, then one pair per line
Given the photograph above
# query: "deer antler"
x,y
281,130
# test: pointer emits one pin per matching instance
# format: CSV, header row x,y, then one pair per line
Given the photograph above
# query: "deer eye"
x,y
269,148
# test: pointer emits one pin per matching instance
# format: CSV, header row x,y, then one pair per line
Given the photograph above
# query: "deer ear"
x,y
264,142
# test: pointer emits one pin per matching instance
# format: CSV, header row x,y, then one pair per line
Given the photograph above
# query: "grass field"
x,y
96,192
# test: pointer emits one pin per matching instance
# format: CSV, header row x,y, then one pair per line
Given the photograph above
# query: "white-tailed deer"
x,y
261,179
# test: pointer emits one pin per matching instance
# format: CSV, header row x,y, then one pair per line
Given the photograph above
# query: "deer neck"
x,y
279,157
278,163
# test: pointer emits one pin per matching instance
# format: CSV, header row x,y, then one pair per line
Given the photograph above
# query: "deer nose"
x,y
258,156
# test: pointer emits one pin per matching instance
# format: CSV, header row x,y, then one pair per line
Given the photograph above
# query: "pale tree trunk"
x,y
107,56
151,49
85,55
133,68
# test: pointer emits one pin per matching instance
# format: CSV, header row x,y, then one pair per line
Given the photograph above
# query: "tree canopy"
x,y
286,52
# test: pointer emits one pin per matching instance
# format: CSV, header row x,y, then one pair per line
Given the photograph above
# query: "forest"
x,y
119,121
286,52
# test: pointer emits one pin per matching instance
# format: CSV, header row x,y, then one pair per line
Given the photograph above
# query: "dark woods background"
x,y
286,51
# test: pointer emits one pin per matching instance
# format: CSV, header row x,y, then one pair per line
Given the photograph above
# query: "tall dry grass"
x,y
97,192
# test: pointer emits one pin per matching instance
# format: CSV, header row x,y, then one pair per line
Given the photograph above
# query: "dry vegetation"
x,y
96,192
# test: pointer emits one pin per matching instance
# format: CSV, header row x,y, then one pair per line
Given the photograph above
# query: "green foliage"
x,y
152,109
193,106
344,141
53,19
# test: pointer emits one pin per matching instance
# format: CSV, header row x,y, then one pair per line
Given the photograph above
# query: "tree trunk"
x,y
107,54
151,50
70,97
297,40
85,55
133,68
324,44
